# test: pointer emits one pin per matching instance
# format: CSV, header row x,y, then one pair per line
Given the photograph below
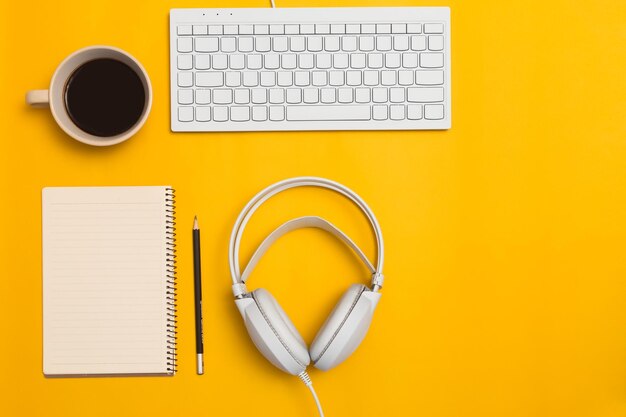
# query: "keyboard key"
x,y
203,114
428,77
370,77
366,43
392,60
328,113
200,30
383,43
185,114
414,111
414,28
375,60
277,95
250,78
220,61
336,78
383,28
231,30
302,78
277,113
431,60
255,61
185,62
396,95
433,27
310,95
237,61
242,96
233,79
184,44
298,44
424,94
284,78
396,112
379,112
261,29
357,61
331,43
401,43
203,96
246,44
202,62
340,61
263,44
405,77
185,96
418,43
327,95
353,78
379,95
362,95
216,30
222,96
259,113
368,28
307,29
398,28
388,77
280,44
206,44
268,78
433,111
314,43
320,78
353,28
292,29
272,61
322,29
345,95
337,28
220,114
294,95
210,79
409,60
183,30
185,79
259,95
277,30
435,43
246,29
228,44
289,61
306,61
348,43
240,113
323,61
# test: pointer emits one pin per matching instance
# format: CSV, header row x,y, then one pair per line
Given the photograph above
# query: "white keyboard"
x,y
384,68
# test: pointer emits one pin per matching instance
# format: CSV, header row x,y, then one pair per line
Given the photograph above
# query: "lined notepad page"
x,y
105,280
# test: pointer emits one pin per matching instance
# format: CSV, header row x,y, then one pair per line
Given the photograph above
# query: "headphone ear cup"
x,y
273,333
345,327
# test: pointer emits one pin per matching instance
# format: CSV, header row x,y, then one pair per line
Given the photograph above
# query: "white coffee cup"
x,y
54,97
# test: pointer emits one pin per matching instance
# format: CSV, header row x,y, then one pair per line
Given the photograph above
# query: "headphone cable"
x,y
307,381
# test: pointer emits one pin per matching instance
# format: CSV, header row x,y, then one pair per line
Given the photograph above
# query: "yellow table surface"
x,y
505,235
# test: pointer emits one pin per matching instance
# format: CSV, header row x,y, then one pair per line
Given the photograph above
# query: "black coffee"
x,y
104,97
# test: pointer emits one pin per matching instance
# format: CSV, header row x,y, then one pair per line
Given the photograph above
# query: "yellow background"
x,y
505,236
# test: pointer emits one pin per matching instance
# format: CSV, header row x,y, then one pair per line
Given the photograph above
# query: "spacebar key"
x,y
322,113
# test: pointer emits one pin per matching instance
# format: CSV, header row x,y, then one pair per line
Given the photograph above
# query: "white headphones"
x,y
271,330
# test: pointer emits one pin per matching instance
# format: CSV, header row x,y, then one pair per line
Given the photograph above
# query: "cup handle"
x,y
37,98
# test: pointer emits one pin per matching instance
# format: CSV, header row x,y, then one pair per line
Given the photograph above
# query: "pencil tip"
x,y
195,222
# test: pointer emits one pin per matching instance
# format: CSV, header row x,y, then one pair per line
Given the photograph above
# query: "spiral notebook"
x,y
108,281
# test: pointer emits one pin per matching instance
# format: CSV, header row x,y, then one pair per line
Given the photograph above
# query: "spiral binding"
x,y
170,233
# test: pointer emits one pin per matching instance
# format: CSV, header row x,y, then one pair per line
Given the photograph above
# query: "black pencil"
x,y
197,280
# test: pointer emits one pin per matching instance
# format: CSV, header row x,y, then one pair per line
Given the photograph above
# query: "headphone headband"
x,y
267,193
